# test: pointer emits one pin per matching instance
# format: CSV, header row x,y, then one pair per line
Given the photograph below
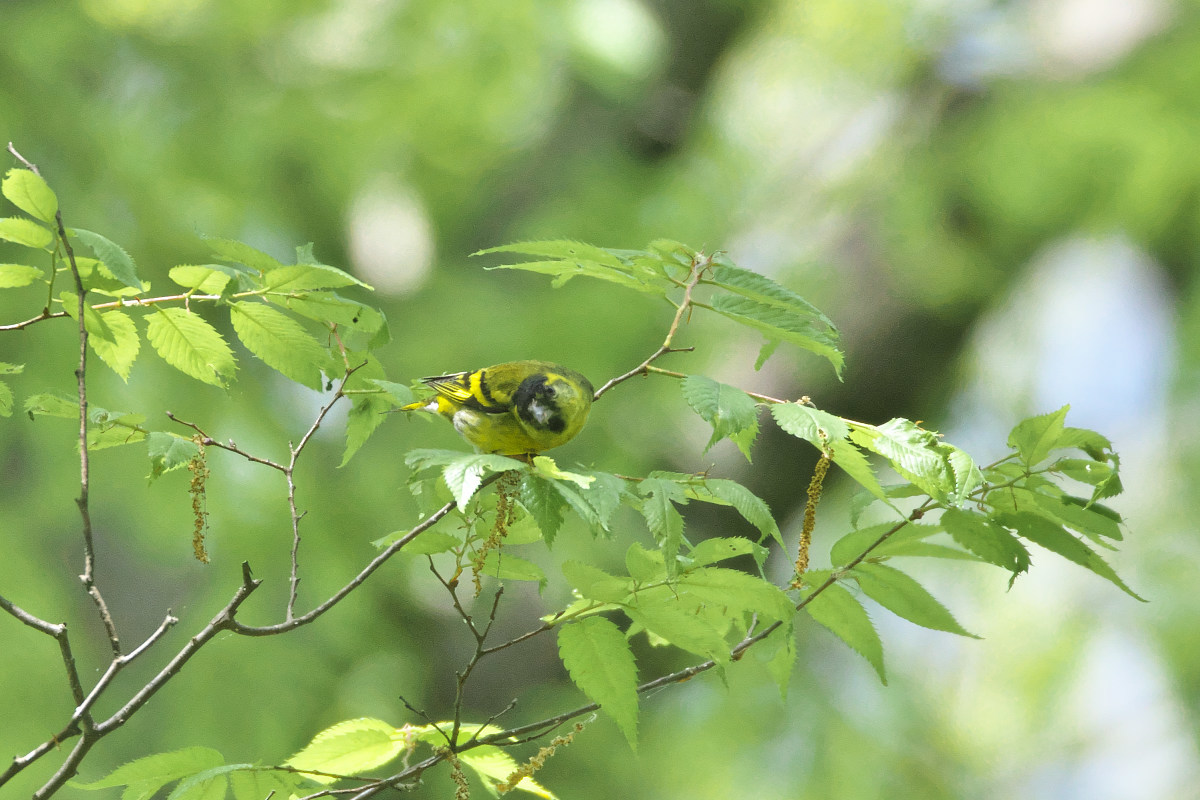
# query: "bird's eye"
x,y
550,392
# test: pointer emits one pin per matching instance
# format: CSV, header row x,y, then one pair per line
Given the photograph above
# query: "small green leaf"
x,y
50,405
663,519
597,656
206,279
349,748
903,596
15,275
787,325
241,253
1035,437
29,192
838,610
280,342
763,290
604,495
169,451
544,503
191,345
22,231
811,424
121,350
502,565
731,412
119,263
548,468
464,474
710,551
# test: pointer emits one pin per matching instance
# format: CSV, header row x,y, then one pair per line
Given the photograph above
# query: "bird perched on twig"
x,y
518,408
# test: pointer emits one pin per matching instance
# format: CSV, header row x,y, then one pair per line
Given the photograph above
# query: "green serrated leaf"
x,y
599,661
280,342
330,307
349,748
159,769
710,551
113,428
505,566
644,565
852,461
763,290
206,278
987,540
211,784
29,192
901,594
731,412
564,249
1035,437
786,325
548,468
241,253
307,277
16,275
26,232
1050,535
169,451
837,610
544,503
717,586
752,507
604,495
856,543
967,476
662,518
191,345
594,583
464,475
50,405
817,427
259,784
913,452
119,263
121,348
662,615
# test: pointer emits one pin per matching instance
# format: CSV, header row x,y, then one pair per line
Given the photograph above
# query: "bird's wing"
x,y
472,390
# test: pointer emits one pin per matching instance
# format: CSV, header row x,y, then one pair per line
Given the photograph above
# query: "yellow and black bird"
x,y
518,408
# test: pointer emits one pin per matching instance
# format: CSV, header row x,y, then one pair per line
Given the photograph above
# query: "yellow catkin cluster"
x,y
506,514
462,788
810,517
531,766
198,466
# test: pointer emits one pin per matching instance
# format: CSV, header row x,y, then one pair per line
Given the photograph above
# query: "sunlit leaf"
x,y
597,656
29,192
191,345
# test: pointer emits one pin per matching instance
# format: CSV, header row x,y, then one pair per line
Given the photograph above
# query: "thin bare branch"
x,y
699,265
355,582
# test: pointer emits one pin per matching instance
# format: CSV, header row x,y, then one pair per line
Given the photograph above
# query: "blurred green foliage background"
x,y
996,201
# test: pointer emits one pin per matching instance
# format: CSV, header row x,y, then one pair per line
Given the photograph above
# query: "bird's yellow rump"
x,y
514,409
